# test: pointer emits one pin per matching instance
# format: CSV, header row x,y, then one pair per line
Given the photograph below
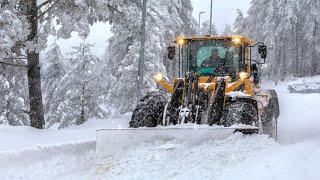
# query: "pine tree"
x,y
21,19
227,31
79,94
166,20
290,30
239,25
14,107
205,28
52,72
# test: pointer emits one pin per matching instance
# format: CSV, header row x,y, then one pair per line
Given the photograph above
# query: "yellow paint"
x,y
242,38
166,85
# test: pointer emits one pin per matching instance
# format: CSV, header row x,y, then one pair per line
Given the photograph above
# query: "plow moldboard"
x,y
111,143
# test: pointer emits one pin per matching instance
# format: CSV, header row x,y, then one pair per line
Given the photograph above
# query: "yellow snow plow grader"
x,y
219,86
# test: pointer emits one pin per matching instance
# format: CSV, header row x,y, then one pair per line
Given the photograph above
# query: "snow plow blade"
x,y
112,143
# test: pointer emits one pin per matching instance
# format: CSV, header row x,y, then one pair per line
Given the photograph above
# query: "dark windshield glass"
x,y
214,57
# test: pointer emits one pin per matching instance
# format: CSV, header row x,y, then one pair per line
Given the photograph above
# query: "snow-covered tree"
x,y
52,72
239,25
165,20
14,107
227,31
290,30
79,93
27,24
205,28
14,28
53,68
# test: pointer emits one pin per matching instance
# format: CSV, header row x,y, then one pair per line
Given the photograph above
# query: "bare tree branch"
x,y
49,7
113,8
13,64
44,3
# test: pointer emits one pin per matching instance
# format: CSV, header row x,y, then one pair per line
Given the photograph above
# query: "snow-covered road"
x,y
294,156
26,153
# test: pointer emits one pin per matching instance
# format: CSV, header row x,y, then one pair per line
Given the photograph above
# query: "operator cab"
x,y
216,56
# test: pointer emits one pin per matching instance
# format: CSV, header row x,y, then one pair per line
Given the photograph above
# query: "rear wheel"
x,y
149,110
270,116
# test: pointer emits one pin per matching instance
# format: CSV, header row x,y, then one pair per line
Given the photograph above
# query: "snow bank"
x,y
20,137
305,85
47,162
28,153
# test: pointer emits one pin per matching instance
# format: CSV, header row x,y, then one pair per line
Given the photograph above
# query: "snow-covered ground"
x,y
26,153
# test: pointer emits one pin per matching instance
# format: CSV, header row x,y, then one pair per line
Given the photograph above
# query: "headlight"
x,y
236,40
158,77
243,75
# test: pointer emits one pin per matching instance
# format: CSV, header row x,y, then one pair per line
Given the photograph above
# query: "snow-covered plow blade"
x,y
112,143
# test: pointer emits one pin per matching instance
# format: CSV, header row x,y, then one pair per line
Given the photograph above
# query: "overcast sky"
x,y
224,12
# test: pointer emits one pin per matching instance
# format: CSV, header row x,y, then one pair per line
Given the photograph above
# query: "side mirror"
x,y
171,52
262,49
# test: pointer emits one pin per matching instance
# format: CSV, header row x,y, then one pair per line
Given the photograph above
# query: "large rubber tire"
x,y
239,113
270,116
149,110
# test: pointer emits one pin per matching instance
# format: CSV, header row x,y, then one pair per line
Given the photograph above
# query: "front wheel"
x,y
239,113
149,110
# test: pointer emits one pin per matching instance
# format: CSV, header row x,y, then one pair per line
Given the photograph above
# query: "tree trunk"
x,y
314,63
34,78
284,62
297,50
292,50
82,106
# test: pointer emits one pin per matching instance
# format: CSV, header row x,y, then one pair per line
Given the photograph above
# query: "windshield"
x,y
214,57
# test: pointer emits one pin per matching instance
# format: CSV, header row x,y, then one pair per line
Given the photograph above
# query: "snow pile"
x,y
305,85
45,162
176,160
28,153
234,94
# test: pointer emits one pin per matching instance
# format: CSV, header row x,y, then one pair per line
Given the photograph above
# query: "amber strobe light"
x,y
236,40
181,41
